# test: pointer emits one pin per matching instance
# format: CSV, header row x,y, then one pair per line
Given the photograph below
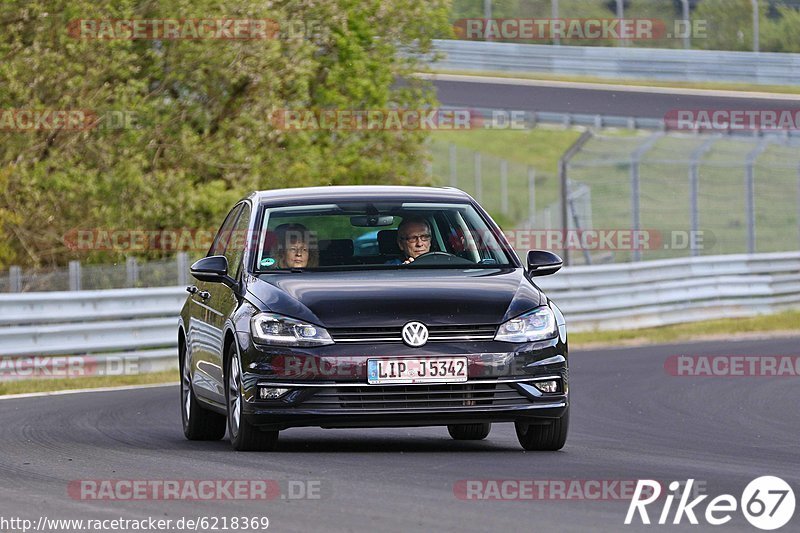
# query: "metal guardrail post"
x,y
798,206
563,165
478,179
504,186
694,192
15,279
750,198
182,261
74,275
636,159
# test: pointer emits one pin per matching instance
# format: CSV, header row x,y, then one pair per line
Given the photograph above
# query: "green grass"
x,y
540,148
782,322
718,86
603,165
48,385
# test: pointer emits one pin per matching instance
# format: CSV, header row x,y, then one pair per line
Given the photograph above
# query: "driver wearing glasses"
x,y
413,238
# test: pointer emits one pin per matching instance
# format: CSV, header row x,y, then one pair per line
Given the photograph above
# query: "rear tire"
x,y
469,431
543,437
244,436
199,423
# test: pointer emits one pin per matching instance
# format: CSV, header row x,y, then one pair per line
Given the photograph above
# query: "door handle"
x,y
191,289
205,295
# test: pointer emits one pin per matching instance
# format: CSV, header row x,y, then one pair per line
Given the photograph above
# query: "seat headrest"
x,y
336,247
387,242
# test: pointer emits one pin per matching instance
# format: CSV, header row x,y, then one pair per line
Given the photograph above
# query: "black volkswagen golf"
x,y
370,306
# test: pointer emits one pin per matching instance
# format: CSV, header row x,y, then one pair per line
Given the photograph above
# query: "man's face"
x,y
414,240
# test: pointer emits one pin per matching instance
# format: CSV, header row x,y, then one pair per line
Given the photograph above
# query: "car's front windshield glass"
x,y
376,235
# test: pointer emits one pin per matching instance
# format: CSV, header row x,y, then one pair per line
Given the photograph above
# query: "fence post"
x,y
621,15
504,186
532,196
749,192
563,165
15,279
798,206
756,27
182,261
554,16
478,178
74,275
453,167
132,271
694,192
687,39
636,159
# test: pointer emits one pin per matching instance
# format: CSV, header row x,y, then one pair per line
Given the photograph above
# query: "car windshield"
x,y
380,235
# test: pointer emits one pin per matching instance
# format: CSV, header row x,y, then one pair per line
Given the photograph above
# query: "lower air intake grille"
x,y
416,397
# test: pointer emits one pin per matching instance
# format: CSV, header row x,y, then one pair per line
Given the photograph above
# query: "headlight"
x,y
535,325
278,330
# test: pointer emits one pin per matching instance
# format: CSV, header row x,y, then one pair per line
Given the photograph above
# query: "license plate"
x,y
417,370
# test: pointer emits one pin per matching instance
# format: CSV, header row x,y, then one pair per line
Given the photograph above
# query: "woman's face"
x,y
296,254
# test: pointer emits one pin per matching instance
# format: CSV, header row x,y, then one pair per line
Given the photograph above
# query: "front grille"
x,y
416,396
394,334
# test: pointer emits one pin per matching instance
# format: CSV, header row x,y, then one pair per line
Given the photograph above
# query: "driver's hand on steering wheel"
x,y
408,261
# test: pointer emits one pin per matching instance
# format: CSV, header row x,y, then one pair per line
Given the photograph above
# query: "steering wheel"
x,y
439,258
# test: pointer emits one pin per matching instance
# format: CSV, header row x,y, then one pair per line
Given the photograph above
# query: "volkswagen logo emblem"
x,y
415,334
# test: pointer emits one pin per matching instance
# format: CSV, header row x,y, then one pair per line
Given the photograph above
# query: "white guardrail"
x,y
620,62
141,324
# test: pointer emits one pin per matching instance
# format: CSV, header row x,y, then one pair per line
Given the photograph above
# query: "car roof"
x,y
341,193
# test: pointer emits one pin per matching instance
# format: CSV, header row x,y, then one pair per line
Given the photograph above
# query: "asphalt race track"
x,y
630,420
563,98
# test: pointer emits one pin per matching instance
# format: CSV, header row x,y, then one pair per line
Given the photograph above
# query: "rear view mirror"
x,y
543,263
371,221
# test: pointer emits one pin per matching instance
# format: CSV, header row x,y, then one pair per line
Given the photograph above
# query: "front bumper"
x,y
328,388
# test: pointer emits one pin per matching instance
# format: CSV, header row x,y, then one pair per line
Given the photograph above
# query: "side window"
x,y
224,233
237,242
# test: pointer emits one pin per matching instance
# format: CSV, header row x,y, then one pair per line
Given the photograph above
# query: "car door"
x,y
223,300
205,332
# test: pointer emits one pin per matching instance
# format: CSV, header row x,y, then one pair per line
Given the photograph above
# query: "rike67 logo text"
x,y
767,502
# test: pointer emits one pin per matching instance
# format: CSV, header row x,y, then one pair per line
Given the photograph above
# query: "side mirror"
x,y
543,263
213,269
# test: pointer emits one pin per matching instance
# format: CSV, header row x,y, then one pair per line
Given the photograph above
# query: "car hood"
x,y
393,297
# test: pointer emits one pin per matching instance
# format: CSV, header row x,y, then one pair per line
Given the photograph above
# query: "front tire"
x,y
543,437
469,431
244,436
198,422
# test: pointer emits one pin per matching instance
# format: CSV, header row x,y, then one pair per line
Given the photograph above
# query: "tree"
x,y
179,128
